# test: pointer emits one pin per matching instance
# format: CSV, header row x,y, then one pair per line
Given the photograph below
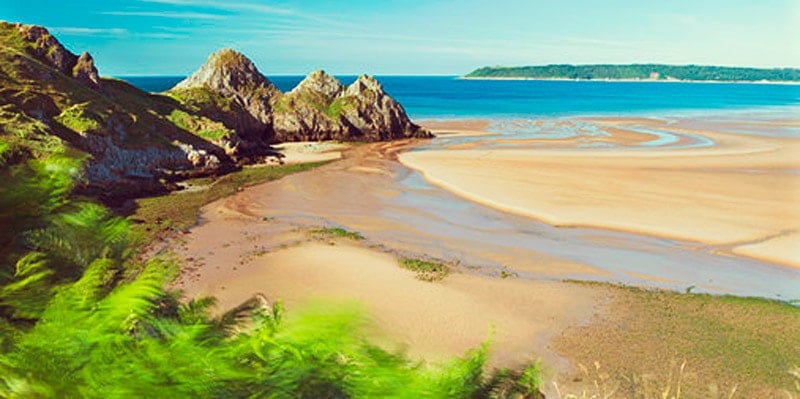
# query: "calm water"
x,y
437,97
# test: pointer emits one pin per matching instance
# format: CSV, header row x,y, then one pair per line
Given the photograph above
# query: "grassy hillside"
x,y
120,131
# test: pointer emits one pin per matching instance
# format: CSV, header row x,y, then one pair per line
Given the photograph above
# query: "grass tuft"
x,y
338,232
426,271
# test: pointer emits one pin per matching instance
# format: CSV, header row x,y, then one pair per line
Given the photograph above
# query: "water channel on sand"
x,y
396,209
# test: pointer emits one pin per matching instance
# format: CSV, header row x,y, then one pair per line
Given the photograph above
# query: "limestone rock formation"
x,y
229,88
319,82
377,115
225,114
132,142
306,113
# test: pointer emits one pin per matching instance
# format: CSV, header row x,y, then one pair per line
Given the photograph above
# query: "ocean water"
x,y
443,97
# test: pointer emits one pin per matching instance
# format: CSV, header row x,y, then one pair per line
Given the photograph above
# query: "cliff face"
x,y
319,108
304,113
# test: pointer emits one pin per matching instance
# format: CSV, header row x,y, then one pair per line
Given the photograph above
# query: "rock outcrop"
x,y
85,71
229,88
377,115
306,114
47,48
319,108
224,115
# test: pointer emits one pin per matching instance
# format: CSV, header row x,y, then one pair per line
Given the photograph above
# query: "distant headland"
x,y
638,72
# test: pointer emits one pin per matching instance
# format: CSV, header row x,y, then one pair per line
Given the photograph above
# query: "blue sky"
x,y
157,37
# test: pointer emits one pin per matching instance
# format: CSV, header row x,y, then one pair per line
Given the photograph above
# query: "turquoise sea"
x,y
448,97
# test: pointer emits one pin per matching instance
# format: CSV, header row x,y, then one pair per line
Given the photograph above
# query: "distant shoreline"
x,y
766,82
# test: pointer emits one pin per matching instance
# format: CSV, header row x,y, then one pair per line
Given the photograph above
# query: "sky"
x,y
384,37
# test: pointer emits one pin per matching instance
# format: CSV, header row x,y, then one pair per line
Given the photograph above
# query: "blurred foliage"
x,y
73,327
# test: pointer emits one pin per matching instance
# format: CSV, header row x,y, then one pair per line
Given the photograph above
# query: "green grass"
x,y
200,99
338,232
331,108
751,343
338,107
203,127
426,270
159,217
79,119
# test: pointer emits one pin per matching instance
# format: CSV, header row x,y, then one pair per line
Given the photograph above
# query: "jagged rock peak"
x,y
85,71
228,72
363,83
47,48
376,114
320,82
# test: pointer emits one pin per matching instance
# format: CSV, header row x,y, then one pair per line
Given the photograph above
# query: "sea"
x,y
449,97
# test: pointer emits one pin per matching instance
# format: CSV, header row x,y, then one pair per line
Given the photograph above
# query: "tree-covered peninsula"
x,y
649,72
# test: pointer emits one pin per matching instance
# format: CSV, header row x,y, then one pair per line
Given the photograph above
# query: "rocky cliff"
x,y
44,46
229,88
52,100
306,113
319,108
225,114
376,114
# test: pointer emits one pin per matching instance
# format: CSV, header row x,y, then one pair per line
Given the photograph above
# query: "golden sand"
x,y
430,319
740,194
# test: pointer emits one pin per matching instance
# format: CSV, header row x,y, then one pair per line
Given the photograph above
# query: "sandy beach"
x,y
738,195
431,320
734,198
253,242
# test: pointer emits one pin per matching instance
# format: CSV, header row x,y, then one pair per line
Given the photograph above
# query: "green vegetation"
x,y
426,271
338,232
228,58
201,99
640,72
332,108
79,119
158,217
338,107
43,111
203,127
750,343
75,324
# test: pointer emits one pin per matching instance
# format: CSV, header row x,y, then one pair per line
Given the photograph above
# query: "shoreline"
x,y
699,200
521,78
257,241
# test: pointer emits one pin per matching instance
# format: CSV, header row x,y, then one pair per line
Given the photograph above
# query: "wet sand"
x,y
259,240
305,152
739,195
